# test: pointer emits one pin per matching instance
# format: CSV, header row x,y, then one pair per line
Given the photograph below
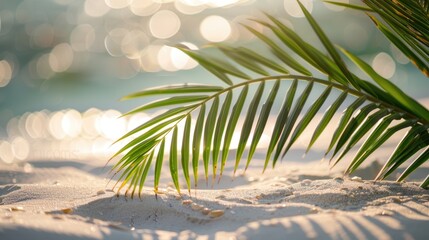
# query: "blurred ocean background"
x,y
64,64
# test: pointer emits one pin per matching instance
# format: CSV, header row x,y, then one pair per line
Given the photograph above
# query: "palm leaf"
x,y
292,119
144,174
280,53
344,120
185,151
357,7
168,102
376,132
196,142
174,89
407,26
173,160
243,60
208,135
247,125
262,121
353,125
327,116
363,128
377,110
250,54
281,121
402,46
422,158
425,183
416,139
220,128
232,123
306,119
330,47
412,105
158,165
216,65
376,144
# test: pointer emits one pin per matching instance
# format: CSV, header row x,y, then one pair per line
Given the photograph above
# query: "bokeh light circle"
x,y
181,60
384,65
61,57
215,28
5,73
164,24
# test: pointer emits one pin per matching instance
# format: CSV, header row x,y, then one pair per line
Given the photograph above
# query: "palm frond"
x,y
378,111
405,23
248,123
281,121
262,121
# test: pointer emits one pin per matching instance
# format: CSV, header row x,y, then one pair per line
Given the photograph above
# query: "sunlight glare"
x,y
164,59
6,152
182,61
5,73
61,57
215,28
89,121
71,123
35,124
20,148
110,125
384,65
55,125
164,24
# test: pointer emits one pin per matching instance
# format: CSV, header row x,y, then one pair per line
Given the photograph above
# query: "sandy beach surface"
x,y
73,200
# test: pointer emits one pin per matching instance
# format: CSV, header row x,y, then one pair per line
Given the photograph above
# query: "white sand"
x,y
295,201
